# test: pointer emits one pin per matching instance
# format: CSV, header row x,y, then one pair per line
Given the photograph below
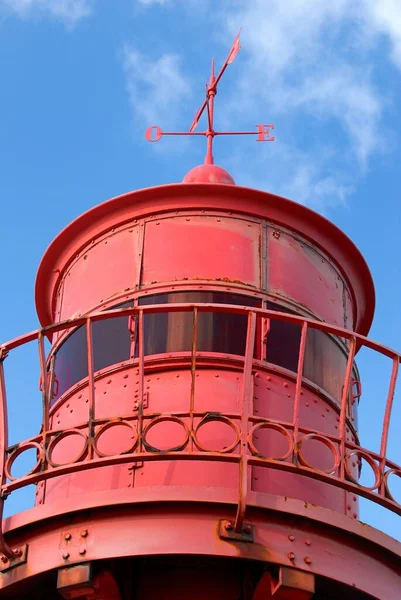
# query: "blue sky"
x,y
82,79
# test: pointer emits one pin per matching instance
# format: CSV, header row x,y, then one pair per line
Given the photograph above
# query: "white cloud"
x,y
311,61
68,11
155,86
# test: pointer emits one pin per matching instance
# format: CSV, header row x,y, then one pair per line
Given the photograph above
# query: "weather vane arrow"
x,y
155,133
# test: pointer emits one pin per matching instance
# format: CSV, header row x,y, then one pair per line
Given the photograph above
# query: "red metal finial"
x,y
155,133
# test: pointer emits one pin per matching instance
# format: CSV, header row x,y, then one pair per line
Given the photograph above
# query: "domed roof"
x,y
208,174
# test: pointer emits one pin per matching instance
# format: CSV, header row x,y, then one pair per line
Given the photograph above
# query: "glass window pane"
x,y
71,363
111,345
216,332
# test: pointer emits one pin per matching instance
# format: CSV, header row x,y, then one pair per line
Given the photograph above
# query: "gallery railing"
x,y
244,423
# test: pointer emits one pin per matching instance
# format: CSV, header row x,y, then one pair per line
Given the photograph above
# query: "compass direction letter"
x,y
153,133
264,133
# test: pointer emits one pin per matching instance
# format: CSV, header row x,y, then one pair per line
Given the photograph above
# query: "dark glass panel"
x,y
283,341
71,363
111,345
325,362
216,332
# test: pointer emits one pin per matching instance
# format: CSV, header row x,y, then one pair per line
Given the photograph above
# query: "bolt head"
x,y
308,560
82,551
291,538
66,555
248,529
228,526
4,559
84,533
291,555
67,536
17,552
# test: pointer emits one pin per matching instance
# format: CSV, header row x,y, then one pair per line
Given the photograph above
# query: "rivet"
x,y
216,375
291,556
355,515
66,555
308,560
67,536
285,385
82,551
268,378
17,552
308,542
84,533
228,526
248,529
4,559
291,538
256,374
80,396
109,381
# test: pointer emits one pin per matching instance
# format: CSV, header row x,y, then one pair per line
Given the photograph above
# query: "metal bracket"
x,y
227,532
20,558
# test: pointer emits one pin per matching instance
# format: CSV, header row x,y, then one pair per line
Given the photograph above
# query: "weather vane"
x,y
155,133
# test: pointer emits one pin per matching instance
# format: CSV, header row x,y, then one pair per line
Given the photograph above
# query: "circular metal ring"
x,y
61,436
275,427
213,417
17,452
386,476
371,462
328,443
108,426
163,419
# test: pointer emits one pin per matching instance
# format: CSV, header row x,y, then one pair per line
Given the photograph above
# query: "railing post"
x,y
298,389
386,420
193,376
4,547
246,398
344,399
91,387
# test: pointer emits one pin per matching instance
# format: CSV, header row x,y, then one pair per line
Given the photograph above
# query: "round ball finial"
x,y
208,174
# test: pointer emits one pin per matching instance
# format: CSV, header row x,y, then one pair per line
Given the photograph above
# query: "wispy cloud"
x,y
310,64
155,86
68,11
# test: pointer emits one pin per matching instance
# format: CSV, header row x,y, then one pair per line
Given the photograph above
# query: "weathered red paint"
x,y
191,446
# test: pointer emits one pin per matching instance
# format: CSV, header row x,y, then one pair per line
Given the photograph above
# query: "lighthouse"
x,y
201,392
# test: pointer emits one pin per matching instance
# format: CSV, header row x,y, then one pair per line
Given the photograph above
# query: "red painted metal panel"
x,y
303,274
101,271
202,247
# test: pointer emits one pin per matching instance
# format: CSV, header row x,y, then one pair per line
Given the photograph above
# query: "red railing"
x,y
244,423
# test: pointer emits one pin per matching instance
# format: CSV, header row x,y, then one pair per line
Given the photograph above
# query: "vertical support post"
x,y
344,399
4,547
298,389
91,387
387,418
193,375
246,397
141,375
45,391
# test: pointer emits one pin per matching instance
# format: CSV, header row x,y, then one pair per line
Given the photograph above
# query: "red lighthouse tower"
x,y
199,436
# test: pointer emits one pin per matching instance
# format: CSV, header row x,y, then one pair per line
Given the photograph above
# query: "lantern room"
x,y
224,249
